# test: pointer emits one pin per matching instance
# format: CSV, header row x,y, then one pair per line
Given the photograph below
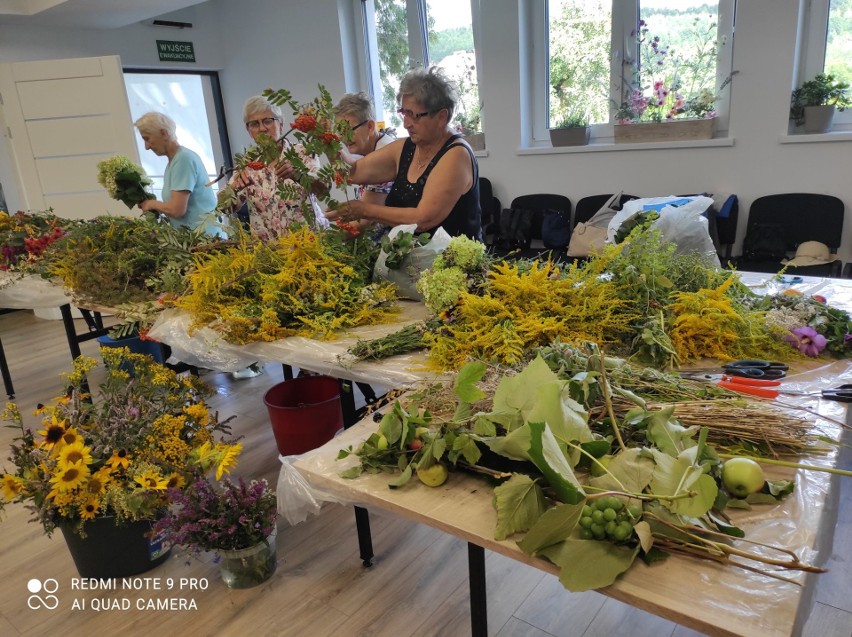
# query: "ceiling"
x,y
92,14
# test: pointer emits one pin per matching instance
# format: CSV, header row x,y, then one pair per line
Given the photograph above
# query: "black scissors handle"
x,y
841,393
754,368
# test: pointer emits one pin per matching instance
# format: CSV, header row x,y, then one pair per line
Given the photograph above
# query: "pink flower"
x,y
807,340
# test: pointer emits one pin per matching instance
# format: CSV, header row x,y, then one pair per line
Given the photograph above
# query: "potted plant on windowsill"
x,y
814,102
571,131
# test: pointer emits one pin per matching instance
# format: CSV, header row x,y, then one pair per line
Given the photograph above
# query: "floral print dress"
x,y
270,215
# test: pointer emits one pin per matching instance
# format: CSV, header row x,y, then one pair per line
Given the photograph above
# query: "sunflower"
x,y
119,458
53,431
152,481
12,486
89,509
69,477
75,453
70,436
228,459
175,481
97,482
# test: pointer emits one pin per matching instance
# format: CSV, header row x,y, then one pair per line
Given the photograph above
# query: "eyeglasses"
x,y
267,122
407,112
357,126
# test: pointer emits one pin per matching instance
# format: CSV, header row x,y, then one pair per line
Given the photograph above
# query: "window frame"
x,y
367,51
534,39
812,50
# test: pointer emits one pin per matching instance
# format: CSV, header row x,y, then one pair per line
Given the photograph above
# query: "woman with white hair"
x,y
187,199
434,172
270,214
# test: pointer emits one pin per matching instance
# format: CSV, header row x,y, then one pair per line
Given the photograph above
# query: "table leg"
x,y
478,601
70,331
7,376
365,538
347,403
288,372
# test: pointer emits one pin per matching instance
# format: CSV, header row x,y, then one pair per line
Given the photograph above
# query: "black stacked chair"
x,y
491,207
548,211
726,228
588,206
795,217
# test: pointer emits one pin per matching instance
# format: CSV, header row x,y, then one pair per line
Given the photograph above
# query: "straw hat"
x,y
811,253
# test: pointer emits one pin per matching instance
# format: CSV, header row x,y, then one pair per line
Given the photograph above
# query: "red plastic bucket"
x,y
305,413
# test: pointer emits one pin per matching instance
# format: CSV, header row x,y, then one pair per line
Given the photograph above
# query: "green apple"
x,y
434,475
742,476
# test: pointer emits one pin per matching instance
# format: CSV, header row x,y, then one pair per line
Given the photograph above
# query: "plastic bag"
x,y
421,258
296,497
681,221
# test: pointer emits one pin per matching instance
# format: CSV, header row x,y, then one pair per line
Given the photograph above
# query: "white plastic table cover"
x,y
30,292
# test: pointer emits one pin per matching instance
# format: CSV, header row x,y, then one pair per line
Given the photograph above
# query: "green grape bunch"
x,y
608,518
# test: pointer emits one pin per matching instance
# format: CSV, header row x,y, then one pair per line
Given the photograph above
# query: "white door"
x,y
63,117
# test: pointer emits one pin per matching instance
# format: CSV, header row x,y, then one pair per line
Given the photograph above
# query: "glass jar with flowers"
x,y
103,468
237,521
670,86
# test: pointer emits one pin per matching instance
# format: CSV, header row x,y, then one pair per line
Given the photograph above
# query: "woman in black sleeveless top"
x,y
434,172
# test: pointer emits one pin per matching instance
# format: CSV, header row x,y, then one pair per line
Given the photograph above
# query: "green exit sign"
x,y
171,51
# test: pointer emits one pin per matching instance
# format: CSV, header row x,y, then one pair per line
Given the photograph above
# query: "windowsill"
x,y
609,146
816,138
480,153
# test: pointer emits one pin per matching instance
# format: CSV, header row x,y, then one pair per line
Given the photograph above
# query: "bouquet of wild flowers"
x,y
24,236
206,518
124,180
122,453
667,83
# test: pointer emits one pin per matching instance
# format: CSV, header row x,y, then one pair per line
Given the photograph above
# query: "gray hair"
x,y
258,104
358,106
431,88
154,122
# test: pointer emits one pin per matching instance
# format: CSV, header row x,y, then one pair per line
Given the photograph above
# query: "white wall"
x,y
296,45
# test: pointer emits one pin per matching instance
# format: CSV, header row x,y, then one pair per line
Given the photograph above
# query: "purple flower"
x,y
807,340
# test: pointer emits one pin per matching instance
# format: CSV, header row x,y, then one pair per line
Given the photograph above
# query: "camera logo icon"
x,y
46,599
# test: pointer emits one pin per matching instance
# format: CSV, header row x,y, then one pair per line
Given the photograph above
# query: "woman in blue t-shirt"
x,y
187,199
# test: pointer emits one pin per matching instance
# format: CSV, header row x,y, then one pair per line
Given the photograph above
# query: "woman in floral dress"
x,y
270,215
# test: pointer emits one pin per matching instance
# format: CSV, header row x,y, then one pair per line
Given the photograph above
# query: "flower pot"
x,y
114,550
671,131
305,413
244,568
818,119
574,136
476,141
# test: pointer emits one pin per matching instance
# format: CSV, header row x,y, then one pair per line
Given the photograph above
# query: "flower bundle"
x,y
24,236
124,180
667,83
148,431
206,518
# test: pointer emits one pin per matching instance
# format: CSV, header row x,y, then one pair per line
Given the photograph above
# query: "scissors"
x,y
754,368
841,393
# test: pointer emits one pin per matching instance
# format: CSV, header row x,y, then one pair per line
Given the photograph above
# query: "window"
x,y
593,52
194,102
402,34
827,47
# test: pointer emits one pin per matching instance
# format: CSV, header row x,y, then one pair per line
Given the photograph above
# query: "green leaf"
x,y
482,426
546,454
471,452
402,480
596,448
519,502
517,393
566,418
588,564
667,434
465,387
643,532
352,472
514,445
629,470
555,525
779,488
439,446
674,476
724,525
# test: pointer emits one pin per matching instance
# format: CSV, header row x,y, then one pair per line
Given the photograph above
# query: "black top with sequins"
x,y
466,216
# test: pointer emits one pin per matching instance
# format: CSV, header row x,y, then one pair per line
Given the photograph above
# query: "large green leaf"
x,y
629,471
546,454
554,526
588,564
675,476
517,393
519,503
566,417
515,445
